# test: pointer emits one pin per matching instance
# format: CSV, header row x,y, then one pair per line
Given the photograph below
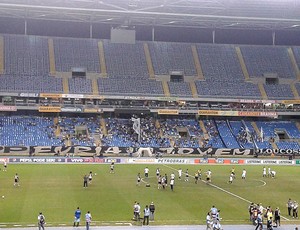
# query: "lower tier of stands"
x,y
154,132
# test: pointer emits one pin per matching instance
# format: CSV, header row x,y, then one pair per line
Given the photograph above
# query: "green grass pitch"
x,y
57,190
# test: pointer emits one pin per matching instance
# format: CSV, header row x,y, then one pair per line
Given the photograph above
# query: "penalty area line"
x,y
224,190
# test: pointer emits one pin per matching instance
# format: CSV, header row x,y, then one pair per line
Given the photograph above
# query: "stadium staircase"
x,y
149,61
95,87
157,124
51,57
1,55
202,126
262,91
97,139
294,63
193,89
254,125
172,141
242,63
65,85
56,124
204,130
197,63
298,125
166,88
294,91
102,59
103,126
274,146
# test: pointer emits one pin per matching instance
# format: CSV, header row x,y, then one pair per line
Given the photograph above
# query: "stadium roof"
x,y
245,14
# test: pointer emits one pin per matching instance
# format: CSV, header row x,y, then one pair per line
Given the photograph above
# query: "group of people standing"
x,y
292,208
148,212
213,219
88,218
258,213
77,215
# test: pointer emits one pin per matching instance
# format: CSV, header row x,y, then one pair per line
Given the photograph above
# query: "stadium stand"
x,y
267,59
27,131
71,53
172,57
223,73
178,132
125,60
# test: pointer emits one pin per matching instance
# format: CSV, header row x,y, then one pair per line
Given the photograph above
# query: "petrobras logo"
x,y
172,161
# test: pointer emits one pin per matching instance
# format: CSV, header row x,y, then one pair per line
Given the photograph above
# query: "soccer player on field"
x,y
273,174
244,174
112,167
172,176
179,174
208,176
16,180
146,172
231,178
264,172
269,172
159,182
196,177
138,182
172,182
187,175
90,177
233,171
199,174
157,172
5,166
85,181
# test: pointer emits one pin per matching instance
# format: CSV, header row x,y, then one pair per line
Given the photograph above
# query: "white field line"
x,y
224,190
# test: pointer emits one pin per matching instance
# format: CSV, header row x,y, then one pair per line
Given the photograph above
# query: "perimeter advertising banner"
x,y
8,108
237,113
49,160
49,109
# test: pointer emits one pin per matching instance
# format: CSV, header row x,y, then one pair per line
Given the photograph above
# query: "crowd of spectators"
x,y
153,132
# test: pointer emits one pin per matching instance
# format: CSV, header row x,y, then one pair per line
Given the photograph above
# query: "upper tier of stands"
x,y
223,73
168,57
27,67
267,59
26,55
125,60
81,53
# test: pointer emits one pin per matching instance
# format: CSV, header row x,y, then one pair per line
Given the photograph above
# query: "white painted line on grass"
x,y
223,190
264,183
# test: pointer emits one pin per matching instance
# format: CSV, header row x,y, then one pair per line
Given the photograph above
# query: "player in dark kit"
x,y
85,181
112,167
196,177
